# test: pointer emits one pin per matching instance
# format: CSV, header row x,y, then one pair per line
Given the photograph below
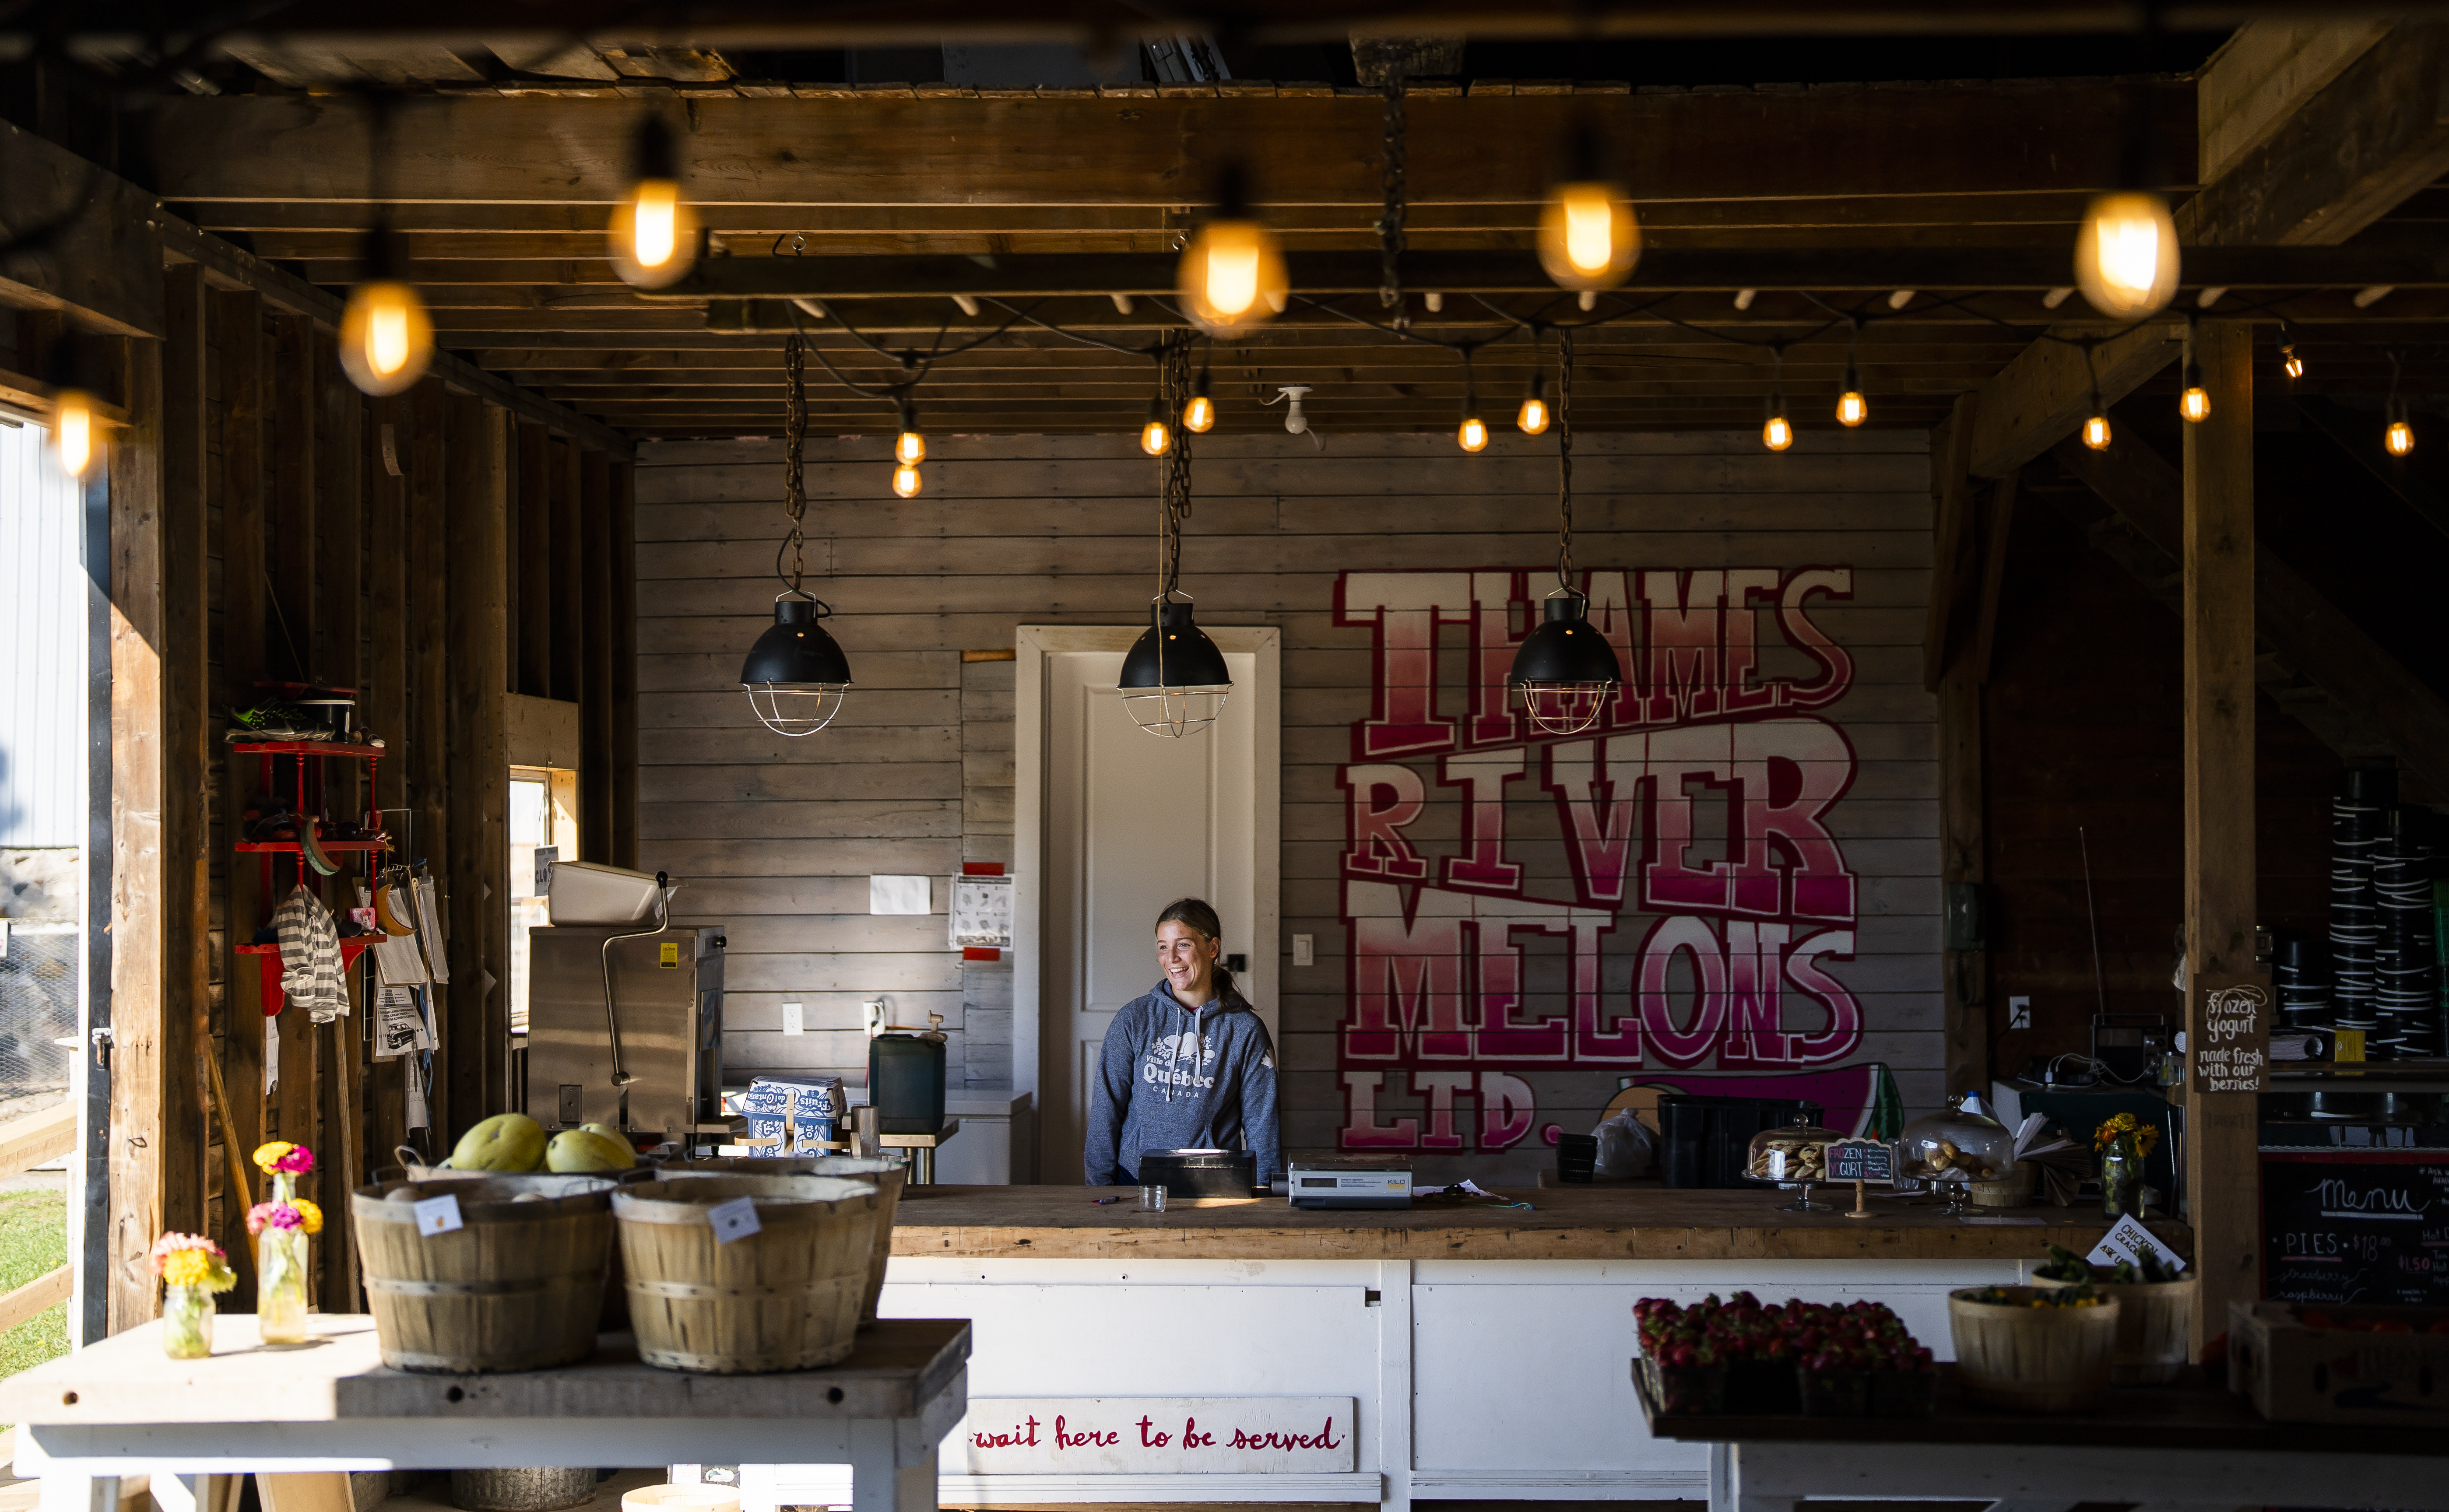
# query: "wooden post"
x,y
2222,1173
532,563
1948,672
478,545
595,657
386,702
238,319
186,660
140,972
624,665
428,739
292,451
565,569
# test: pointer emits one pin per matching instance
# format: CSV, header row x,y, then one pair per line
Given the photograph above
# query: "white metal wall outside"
x,y
43,604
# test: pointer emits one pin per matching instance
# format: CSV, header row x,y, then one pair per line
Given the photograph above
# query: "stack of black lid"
x,y
2356,829
2300,969
2407,977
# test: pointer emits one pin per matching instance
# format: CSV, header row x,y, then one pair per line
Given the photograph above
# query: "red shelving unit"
x,y
268,753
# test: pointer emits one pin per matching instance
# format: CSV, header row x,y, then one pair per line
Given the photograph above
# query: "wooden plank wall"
x,y
777,837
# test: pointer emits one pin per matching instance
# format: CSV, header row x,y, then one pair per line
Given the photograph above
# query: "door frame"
x,y
1033,645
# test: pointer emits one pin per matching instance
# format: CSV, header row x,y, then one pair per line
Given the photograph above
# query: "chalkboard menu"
x,y
2365,1228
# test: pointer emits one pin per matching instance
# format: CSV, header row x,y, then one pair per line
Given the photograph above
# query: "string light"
x,y
2400,437
1777,433
2126,253
1156,438
1199,412
905,480
1533,418
2195,402
654,234
72,431
1852,408
1232,272
2289,361
910,446
1587,236
1471,435
2096,427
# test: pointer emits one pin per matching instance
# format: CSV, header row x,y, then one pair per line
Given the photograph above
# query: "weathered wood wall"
x,y
777,836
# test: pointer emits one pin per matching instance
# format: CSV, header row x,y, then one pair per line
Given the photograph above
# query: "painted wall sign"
x,y
2232,1052
1174,1435
1704,906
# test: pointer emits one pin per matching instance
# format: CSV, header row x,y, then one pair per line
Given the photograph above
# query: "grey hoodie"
x,y
1172,1077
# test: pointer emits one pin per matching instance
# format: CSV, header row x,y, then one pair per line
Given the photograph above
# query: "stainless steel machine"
x,y
648,1062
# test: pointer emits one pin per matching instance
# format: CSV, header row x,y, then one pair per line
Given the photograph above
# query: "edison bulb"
x,y
2399,439
2095,433
1852,408
910,449
1472,435
2126,254
1200,413
1587,236
386,337
72,431
1232,274
2195,404
1155,439
1533,419
1776,435
2290,363
654,235
905,480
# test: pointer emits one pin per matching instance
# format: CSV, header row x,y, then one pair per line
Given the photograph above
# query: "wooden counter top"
x,y
1616,1223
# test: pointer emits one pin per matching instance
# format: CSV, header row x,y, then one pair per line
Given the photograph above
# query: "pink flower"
x,y
273,1215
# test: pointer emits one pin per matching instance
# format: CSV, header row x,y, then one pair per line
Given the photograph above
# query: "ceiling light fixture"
x,y
1199,412
1156,437
910,446
654,234
1565,670
72,407
1232,272
1471,435
2400,437
2095,425
1852,408
1589,238
386,337
1777,432
796,674
1174,680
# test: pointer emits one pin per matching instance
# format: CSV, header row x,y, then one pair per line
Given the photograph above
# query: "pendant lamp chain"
x,y
1565,461
1174,391
795,436
1390,223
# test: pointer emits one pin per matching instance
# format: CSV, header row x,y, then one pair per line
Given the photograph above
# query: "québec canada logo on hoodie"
x,y
1177,1059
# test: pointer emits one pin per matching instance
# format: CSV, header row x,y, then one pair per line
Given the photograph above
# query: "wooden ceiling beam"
x,y
1816,143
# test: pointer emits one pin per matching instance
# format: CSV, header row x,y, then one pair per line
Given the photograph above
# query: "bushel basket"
x,y
887,1175
518,1285
786,1298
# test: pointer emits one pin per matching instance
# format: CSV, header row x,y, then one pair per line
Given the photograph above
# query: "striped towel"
x,y
311,972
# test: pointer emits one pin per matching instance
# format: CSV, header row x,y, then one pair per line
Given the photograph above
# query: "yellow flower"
x,y
310,1214
268,1156
187,1268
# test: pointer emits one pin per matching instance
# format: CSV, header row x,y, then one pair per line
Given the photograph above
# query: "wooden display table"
x,y
120,1407
2184,1445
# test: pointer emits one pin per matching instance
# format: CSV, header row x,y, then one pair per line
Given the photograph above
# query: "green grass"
x,y
33,1243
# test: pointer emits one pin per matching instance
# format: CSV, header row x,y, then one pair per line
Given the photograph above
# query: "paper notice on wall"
x,y
429,930
271,1054
417,1117
399,1027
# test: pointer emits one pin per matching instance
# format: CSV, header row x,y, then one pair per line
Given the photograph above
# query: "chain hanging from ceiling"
x,y
1390,222
1173,381
1565,459
795,437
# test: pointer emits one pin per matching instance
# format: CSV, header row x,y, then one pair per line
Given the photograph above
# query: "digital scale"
x,y
1349,1186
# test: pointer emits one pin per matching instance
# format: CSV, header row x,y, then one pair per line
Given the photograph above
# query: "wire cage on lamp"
x,y
1174,680
796,674
1565,669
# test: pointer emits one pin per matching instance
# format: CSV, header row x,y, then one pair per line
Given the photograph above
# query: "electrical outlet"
x,y
1305,949
2019,1013
795,1018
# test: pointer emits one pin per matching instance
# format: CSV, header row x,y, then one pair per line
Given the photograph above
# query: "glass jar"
x,y
1795,1157
1954,1148
2121,1179
281,1274
186,1321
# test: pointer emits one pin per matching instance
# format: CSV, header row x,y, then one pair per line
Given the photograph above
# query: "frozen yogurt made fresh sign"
x,y
1680,901
1156,1435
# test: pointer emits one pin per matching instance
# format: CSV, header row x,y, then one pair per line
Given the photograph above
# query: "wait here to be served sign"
x,y
1088,1435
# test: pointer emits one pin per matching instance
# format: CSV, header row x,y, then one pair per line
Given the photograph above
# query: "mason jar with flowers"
x,y
192,1268
2123,1142
281,1227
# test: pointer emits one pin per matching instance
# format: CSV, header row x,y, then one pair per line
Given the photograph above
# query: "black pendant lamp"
x,y
795,674
1565,670
1174,680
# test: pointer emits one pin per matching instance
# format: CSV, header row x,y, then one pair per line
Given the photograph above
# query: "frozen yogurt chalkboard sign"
x,y
2232,1049
2372,1229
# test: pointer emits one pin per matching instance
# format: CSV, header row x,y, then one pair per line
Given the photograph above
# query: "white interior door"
x,y
1129,821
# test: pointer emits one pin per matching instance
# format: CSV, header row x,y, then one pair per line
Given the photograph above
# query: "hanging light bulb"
x,y
910,446
2399,438
2195,402
1852,408
2095,431
905,480
1472,435
1533,418
1587,236
72,431
1776,434
654,235
1156,437
386,337
1199,412
2289,361
2126,253
1232,272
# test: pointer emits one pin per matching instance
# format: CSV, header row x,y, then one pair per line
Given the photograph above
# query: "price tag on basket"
x,y
735,1220
436,1216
